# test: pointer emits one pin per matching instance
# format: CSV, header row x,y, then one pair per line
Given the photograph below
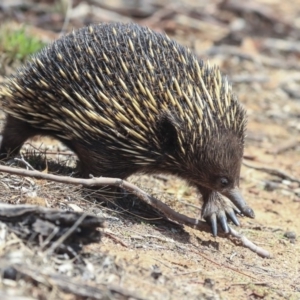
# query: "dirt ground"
x,y
257,45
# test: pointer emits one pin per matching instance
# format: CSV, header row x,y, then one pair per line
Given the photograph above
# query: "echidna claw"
x,y
213,224
233,217
248,212
223,221
237,199
221,218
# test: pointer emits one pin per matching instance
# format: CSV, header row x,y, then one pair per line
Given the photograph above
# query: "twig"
x,y
129,187
79,288
281,45
49,237
275,172
161,14
189,272
45,151
257,58
248,244
114,238
66,235
247,283
221,264
290,144
189,204
164,264
246,78
22,159
69,4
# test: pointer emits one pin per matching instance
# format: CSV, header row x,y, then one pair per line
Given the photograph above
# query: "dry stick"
x,y
223,265
247,243
67,234
161,14
261,59
67,17
27,164
77,287
114,238
45,151
162,207
275,172
290,144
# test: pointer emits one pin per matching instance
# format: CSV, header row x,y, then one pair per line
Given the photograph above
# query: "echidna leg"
x,y
94,163
218,209
14,135
86,163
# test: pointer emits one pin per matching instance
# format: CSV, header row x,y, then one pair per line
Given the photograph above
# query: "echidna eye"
x,y
224,182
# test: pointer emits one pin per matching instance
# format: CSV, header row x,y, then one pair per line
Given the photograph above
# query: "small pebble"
x,y
291,235
209,283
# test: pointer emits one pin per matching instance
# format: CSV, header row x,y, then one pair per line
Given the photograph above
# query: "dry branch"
x,y
275,172
129,187
58,229
257,58
290,144
78,287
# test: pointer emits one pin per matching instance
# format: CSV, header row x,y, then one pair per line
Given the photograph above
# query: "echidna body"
x,y
126,99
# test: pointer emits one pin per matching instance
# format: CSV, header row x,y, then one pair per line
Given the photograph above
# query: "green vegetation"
x,y
17,44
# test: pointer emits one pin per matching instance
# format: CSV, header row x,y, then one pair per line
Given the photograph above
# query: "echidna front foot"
x,y
217,209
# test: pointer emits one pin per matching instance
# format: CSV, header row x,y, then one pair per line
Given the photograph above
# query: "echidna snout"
x,y
218,174
126,99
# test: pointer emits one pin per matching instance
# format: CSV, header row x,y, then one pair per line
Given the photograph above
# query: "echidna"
x,y
126,99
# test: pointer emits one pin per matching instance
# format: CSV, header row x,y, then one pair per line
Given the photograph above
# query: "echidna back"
x,y
107,86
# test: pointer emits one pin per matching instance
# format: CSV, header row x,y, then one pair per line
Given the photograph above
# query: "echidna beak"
x,y
237,199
